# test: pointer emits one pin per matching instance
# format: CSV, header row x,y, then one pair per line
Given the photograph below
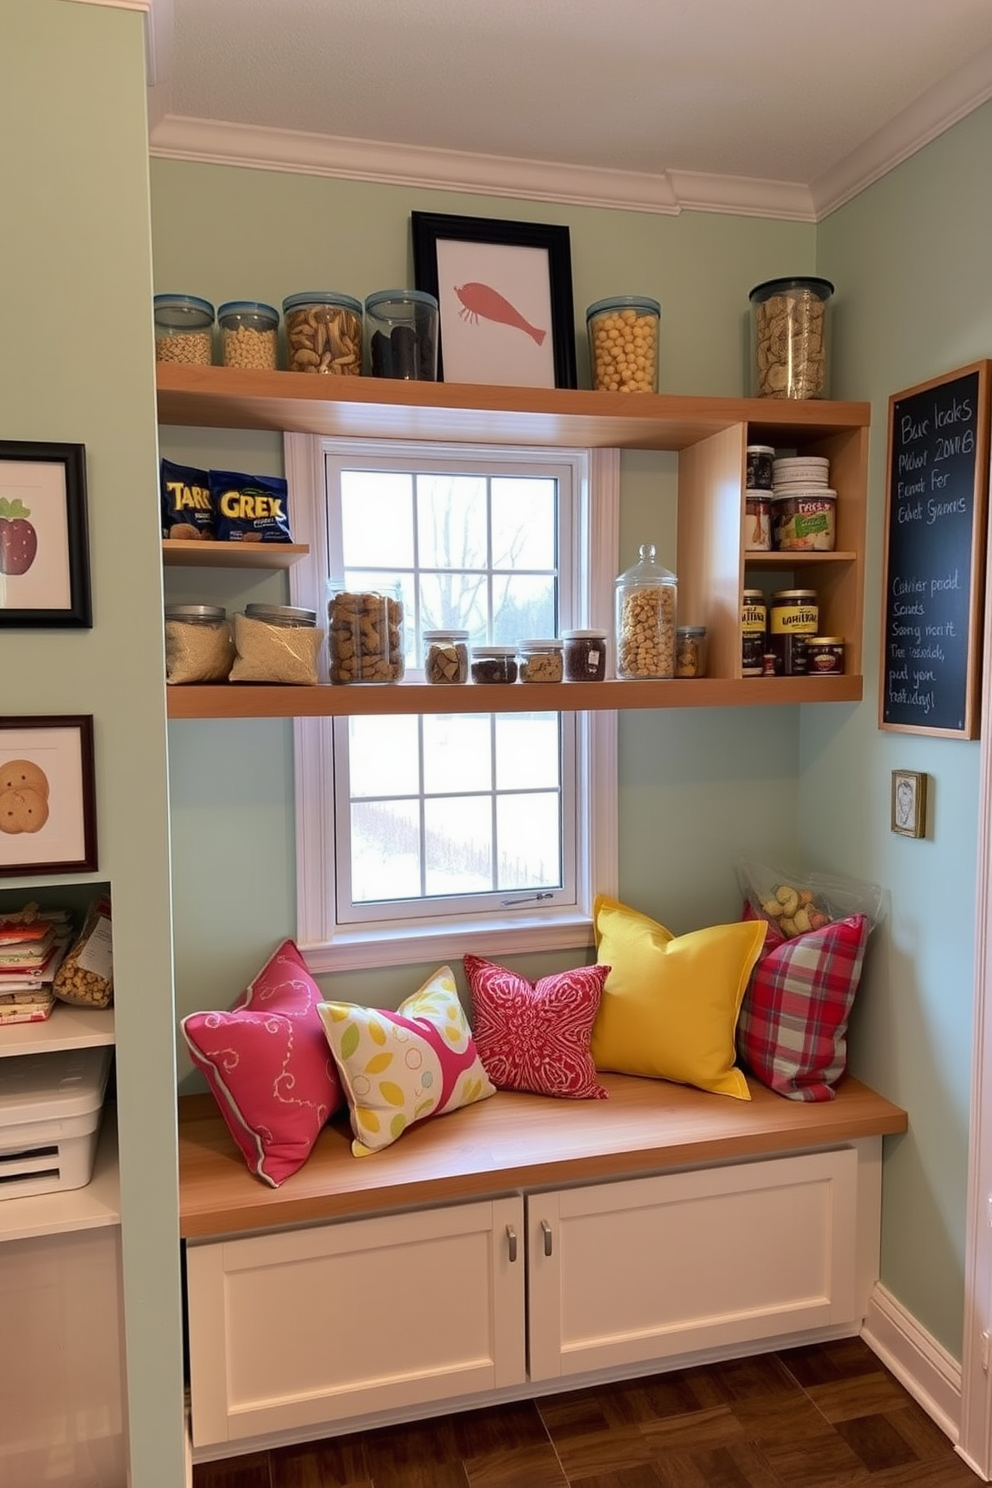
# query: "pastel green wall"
x,y
76,365
910,258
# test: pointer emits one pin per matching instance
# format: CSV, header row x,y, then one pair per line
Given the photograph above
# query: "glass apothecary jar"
x,y
184,329
646,604
365,634
445,656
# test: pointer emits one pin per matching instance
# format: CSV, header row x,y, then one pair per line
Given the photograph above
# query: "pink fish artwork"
x,y
482,302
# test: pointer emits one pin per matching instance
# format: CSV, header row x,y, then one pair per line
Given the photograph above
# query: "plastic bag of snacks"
x,y
250,508
187,507
796,901
86,976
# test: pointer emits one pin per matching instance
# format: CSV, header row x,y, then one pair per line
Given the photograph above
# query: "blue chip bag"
x,y
250,508
187,508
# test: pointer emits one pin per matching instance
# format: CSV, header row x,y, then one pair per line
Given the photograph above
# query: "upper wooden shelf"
x,y
388,408
231,555
245,700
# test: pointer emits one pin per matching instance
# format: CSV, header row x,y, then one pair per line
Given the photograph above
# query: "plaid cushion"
x,y
792,1028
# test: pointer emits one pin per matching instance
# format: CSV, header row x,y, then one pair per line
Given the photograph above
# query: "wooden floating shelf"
x,y
245,700
231,555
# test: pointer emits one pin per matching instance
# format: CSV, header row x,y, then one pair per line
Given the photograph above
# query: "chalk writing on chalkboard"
x,y
936,501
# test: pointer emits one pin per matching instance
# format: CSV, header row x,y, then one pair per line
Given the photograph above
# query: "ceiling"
x,y
757,106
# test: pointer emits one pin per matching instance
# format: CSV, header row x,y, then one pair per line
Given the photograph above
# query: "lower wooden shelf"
x,y
245,700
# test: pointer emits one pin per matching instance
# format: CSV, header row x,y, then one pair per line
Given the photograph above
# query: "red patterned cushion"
x,y
268,1065
792,1029
536,1035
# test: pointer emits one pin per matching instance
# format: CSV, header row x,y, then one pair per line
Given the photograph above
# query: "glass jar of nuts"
x,y
645,619
323,333
623,344
249,333
184,329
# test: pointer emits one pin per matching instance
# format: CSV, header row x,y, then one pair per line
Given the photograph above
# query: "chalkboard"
x,y
936,502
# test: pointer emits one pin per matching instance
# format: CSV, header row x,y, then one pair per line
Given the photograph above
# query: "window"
x,y
415,833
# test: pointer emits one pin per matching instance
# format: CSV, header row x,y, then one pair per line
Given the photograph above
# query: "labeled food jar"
x,y
757,522
199,644
645,619
446,655
623,344
584,655
249,333
804,520
184,329
365,635
790,338
793,616
276,643
494,664
825,656
323,333
754,629
540,661
402,327
759,467
690,651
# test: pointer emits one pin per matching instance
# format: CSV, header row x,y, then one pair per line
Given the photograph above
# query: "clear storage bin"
x,y
184,329
249,335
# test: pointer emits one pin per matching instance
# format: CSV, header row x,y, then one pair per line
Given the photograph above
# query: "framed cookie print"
x,y
504,290
44,553
47,797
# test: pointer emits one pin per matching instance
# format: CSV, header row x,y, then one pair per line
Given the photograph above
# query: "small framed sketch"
x,y
909,803
47,801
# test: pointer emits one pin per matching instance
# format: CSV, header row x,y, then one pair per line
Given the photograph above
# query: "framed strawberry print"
x,y
504,292
44,544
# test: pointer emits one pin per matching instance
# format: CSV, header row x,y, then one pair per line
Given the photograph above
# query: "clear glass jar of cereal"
x,y
184,329
249,334
645,619
623,344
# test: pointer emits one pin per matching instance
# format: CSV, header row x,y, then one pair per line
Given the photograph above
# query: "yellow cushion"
x,y
670,1003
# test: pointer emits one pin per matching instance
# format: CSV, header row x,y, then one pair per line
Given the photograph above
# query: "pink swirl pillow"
x,y
268,1066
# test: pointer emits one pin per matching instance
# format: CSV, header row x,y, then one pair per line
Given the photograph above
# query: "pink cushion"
x,y
792,1029
536,1035
268,1065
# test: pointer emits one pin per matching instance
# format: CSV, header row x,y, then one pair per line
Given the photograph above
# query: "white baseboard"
x,y
920,1364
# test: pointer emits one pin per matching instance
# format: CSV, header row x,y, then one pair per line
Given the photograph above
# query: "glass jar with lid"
x,y
790,341
402,330
540,661
585,655
323,333
690,651
623,344
276,643
365,634
249,333
199,645
646,599
494,663
184,329
445,656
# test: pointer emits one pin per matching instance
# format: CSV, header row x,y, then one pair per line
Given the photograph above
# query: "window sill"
x,y
357,949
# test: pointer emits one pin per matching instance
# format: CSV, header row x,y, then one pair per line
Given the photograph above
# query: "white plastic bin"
x,y
50,1109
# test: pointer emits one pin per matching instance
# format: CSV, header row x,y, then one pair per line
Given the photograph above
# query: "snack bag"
x,y
250,508
795,901
187,509
86,976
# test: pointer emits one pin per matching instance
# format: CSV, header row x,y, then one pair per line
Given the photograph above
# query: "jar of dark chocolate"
x,y
754,625
760,467
494,663
793,617
585,655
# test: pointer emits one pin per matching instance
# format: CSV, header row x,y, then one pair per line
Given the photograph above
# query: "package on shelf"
x,y
86,976
51,1105
33,943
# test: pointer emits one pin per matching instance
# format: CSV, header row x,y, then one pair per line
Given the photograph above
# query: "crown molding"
x,y
937,110
671,192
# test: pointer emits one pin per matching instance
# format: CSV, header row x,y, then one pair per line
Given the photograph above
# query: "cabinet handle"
x,y
511,1243
546,1232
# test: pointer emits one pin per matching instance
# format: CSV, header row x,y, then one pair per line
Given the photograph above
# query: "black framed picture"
x,y
44,544
47,795
505,296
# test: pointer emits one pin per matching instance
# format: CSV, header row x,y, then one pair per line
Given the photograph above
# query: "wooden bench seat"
x,y
507,1143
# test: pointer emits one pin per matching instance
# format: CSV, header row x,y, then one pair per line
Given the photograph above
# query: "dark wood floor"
x,y
824,1417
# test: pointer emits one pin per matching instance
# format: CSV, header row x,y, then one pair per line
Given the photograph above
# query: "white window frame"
x,y
331,947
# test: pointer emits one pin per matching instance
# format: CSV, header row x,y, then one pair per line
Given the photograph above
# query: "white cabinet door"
x,y
623,1273
318,1325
